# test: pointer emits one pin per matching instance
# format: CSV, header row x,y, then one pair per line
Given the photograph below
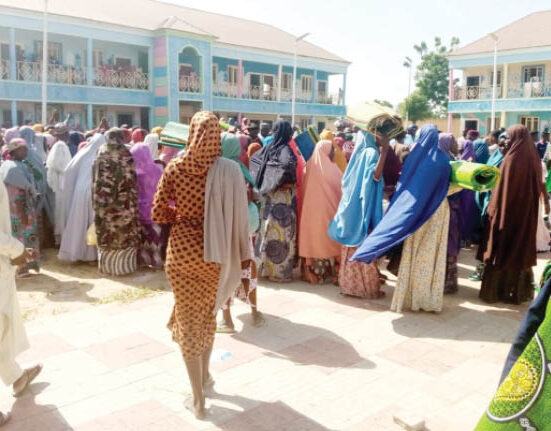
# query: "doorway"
x,y
187,110
471,125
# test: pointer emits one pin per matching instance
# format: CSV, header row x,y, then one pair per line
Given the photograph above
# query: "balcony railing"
x,y
529,90
132,80
57,73
475,92
190,84
262,92
224,89
4,69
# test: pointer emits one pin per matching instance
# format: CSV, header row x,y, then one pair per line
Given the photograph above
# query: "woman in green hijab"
x,y
231,149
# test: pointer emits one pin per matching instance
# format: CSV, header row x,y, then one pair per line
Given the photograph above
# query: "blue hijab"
x,y
421,189
361,205
481,151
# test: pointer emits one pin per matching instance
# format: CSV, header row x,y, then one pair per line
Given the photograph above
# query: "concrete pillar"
x,y
315,87
90,116
505,81
14,113
450,96
89,61
239,79
313,121
13,56
279,83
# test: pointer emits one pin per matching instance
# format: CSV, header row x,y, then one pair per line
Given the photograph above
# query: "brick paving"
x,y
322,362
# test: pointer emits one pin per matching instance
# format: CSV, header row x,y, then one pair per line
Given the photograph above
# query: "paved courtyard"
x,y
321,362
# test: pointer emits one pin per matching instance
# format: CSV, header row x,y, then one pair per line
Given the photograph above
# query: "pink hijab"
x,y
322,193
168,154
148,174
244,141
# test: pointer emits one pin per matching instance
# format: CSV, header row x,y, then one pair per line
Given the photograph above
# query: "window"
x,y
489,127
306,83
473,81
531,123
254,79
232,75
287,81
471,125
532,74
214,73
498,81
97,58
322,87
185,69
123,63
304,123
55,52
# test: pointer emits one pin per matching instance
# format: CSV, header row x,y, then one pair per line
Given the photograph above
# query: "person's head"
x,y
400,137
231,146
326,135
447,143
494,137
534,135
253,130
412,130
17,149
265,130
545,134
465,133
283,131
472,135
204,144
138,136
61,132
518,135
115,135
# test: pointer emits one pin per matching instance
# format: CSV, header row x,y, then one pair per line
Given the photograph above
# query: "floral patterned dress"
x,y
276,243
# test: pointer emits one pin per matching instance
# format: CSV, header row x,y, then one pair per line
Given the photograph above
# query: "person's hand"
x,y
23,258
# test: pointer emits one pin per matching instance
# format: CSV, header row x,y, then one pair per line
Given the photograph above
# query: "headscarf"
x,y
157,130
327,135
339,158
39,146
468,151
275,164
483,199
168,154
75,138
446,142
348,149
422,187
12,134
16,143
18,174
28,134
50,140
392,168
244,141
513,208
254,148
481,150
267,141
231,149
204,144
361,205
38,128
137,136
127,135
152,141
148,174
321,192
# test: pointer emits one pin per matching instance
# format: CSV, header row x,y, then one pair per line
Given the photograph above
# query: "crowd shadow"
x,y
27,415
57,290
259,415
315,346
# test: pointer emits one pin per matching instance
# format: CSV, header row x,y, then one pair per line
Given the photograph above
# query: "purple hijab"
x,y
468,151
148,175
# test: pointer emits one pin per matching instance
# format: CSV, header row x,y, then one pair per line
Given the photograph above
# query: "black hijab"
x,y
276,163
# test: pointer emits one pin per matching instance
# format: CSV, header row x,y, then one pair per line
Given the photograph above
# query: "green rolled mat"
x,y
474,176
175,135
313,134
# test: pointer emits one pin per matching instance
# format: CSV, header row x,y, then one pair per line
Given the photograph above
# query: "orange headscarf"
x,y
321,192
204,145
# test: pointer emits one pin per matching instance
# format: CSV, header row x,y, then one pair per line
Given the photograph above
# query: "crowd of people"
x,y
241,203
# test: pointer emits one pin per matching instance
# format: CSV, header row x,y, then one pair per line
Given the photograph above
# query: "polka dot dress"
x,y
180,201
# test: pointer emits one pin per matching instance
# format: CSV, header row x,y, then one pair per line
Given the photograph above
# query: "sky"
x,y
375,35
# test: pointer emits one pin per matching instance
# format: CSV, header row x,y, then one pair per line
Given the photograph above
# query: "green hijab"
x,y
231,149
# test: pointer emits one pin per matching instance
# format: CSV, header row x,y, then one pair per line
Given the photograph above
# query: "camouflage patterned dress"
x,y
115,201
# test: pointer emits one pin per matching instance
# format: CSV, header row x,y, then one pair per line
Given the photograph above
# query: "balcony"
x,y
126,79
476,92
57,73
224,89
529,90
4,69
190,83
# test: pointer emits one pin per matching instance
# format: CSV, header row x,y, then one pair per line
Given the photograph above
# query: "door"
x,y
127,119
268,87
143,61
471,125
254,85
473,87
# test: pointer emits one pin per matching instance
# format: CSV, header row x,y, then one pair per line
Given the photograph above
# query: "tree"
x,y
417,106
432,76
385,103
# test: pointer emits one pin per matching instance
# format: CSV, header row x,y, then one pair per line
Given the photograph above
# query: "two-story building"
x,y
147,62
523,77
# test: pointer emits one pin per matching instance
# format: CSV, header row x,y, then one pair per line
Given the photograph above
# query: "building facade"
x,y
112,60
523,79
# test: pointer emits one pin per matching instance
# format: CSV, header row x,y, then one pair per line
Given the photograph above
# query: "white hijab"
x,y
152,141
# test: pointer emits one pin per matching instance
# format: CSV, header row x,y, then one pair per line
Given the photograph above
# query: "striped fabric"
x,y
118,262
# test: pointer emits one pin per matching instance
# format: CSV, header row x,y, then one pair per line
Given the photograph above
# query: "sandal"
x,y
28,375
222,328
4,418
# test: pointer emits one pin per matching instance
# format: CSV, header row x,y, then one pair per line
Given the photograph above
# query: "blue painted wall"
x,y
189,56
254,67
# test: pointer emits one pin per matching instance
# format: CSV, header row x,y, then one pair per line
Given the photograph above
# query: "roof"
x,y
152,15
532,31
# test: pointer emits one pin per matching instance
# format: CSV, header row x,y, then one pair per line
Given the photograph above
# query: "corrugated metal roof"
x,y
532,31
152,15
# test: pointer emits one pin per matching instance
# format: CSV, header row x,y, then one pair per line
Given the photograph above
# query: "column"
x,y
90,116
315,87
344,89
450,98
13,56
504,93
239,79
14,113
279,82
89,62
313,121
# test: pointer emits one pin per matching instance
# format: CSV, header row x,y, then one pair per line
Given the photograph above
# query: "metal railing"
x,y
224,89
57,73
476,92
132,80
262,92
190,84
528,90
4,69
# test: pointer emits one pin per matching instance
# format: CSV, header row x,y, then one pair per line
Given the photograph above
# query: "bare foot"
x,y
224,328
199,412
208,386
23,382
